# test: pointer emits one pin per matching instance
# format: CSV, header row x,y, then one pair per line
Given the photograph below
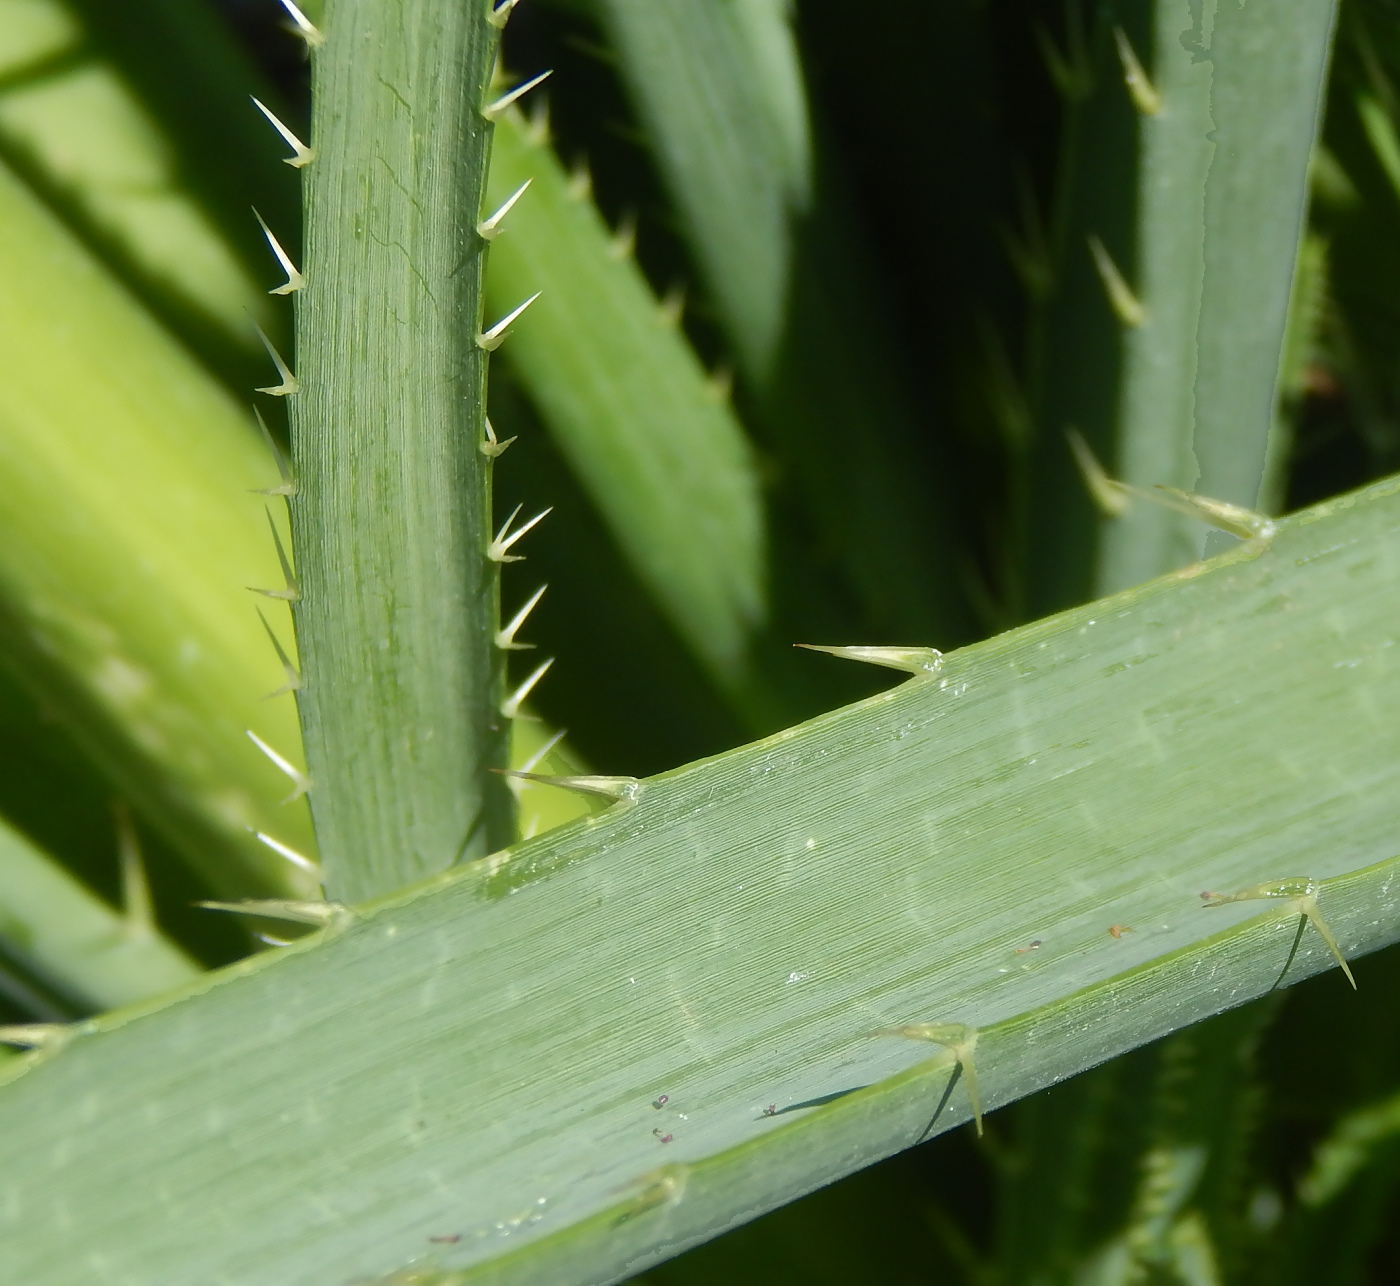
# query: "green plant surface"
x,y
735,939
94,952
1179,218
402,706
139,134
721,90
127,541
718,93
664,458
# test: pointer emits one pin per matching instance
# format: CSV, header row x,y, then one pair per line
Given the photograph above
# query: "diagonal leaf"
x,y
465,1075
67,934
1181,216
664,460
128,541
719,90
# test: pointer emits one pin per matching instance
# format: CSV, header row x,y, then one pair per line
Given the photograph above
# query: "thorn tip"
x,y
492,339
510,707
494,110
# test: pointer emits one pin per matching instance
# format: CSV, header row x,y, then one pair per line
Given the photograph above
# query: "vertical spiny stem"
x,y
402,687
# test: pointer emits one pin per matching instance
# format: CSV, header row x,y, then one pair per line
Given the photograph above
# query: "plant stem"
x,y
401,708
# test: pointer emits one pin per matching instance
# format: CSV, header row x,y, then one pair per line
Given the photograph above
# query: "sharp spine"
x,y
1246,524
1126,305
295,281
1110,497
505,637
293,683
299,779
317,913
497,550
494,110
626,789
1140,87
623,244
492,339
580,186
961,1041
912,660
303,155
136,889
490,447
537,124
510,707
499,14
44,1037
542,753
490,227
283,850
720,384
303,25
291,593
287,487
672,306
290,384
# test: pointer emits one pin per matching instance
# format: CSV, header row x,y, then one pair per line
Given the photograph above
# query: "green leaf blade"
x,y
664,458
128,541
734,938
74,937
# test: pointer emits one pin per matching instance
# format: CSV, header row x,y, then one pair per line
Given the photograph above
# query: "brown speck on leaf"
x,y
1032,946
1118,930
450,1239
665,1138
